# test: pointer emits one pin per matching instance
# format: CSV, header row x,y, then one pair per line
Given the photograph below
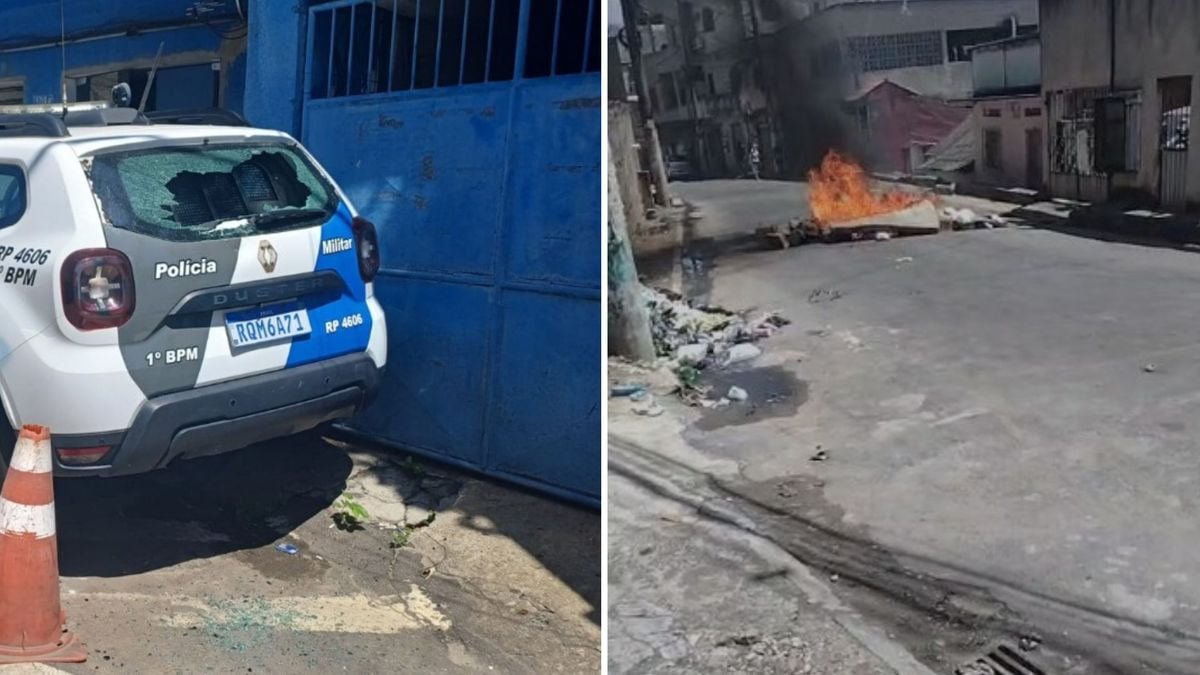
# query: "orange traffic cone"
x,y
31,617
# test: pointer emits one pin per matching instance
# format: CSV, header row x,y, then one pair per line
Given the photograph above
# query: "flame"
x,y
838,190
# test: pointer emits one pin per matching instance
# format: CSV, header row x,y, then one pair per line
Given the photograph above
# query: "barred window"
x,y
901,50
375,46
1073,146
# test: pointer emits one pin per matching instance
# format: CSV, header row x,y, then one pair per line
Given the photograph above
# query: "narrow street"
x,y
1010,415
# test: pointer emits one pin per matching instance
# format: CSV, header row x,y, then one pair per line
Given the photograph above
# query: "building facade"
x,y
900,126
201,64
1119,77
1008,115
703,68
836,52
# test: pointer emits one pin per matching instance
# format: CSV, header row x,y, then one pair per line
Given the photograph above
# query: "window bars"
x,y
362,47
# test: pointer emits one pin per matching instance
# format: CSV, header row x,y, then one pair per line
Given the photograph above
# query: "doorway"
x,y
1175,94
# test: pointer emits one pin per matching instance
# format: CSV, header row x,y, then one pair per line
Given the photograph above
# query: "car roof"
x,y
86,140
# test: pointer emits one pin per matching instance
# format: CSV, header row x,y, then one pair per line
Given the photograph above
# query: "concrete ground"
x,y
693,589
728,207
1010,413
178,571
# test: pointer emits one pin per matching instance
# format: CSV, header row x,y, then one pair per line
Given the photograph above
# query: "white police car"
x,y
172,289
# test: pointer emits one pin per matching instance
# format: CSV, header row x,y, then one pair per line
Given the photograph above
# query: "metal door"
x,y
1175,94
1033,158
469,131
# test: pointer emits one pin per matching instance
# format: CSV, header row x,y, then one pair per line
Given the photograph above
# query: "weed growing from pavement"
x,y
348,514
402,536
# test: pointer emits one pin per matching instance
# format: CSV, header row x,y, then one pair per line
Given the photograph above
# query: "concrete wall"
x,y
1154,39
1006,67
1015,119
863,19
623,157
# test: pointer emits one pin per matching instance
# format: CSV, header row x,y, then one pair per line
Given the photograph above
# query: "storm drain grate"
x,y
1003,660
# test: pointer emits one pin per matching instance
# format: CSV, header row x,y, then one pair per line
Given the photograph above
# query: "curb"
x,y
664,477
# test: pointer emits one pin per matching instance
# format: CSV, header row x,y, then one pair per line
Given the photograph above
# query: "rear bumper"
x,y
230,415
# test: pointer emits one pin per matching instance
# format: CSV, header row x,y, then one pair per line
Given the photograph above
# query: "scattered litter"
x,y
821,456
883,235
820,295
696,335
694,353
289,549
630,390
741,352
639,395
904,259
737,394
963,219
1030,642
959,216
689,377
711,404
1149,368
648,407
834,577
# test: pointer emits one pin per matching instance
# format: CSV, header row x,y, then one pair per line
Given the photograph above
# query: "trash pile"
x,y
966,219
689,339
702,336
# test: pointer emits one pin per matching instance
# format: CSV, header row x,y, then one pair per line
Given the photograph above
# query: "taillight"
x,y
97,288
82,456
368,247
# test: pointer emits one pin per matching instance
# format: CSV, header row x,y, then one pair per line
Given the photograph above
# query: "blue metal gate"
x,y
469,132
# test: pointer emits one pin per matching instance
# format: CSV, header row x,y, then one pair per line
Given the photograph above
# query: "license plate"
x,y
256,327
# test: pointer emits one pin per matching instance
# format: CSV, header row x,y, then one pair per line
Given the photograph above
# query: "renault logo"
x,y
267,257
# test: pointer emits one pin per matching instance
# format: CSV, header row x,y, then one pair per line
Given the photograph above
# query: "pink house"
x,y
898,126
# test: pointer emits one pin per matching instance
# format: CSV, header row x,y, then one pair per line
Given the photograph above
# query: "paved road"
x,y
728,208
1012,409
176,571
691,591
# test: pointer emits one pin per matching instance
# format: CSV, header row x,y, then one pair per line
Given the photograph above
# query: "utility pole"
x,y
687,32
628,320
632,11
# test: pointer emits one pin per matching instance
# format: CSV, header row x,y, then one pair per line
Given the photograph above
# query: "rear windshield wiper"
x,y
285,216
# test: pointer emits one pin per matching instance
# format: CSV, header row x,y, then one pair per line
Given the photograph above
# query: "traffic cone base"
x,y
68,650
32,623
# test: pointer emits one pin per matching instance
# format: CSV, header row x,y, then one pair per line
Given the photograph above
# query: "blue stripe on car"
x,y
336,327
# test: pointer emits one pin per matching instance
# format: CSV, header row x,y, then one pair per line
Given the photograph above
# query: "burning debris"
x,y
700,336
844,207
840,194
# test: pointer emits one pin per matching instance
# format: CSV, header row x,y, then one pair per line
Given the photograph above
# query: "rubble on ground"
x,y
701,336
966,219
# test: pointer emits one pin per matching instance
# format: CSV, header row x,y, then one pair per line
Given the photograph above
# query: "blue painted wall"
x,y
275,64
487,201
184,40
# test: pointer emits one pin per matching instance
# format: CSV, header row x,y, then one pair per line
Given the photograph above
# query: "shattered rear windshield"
x,y
214,191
